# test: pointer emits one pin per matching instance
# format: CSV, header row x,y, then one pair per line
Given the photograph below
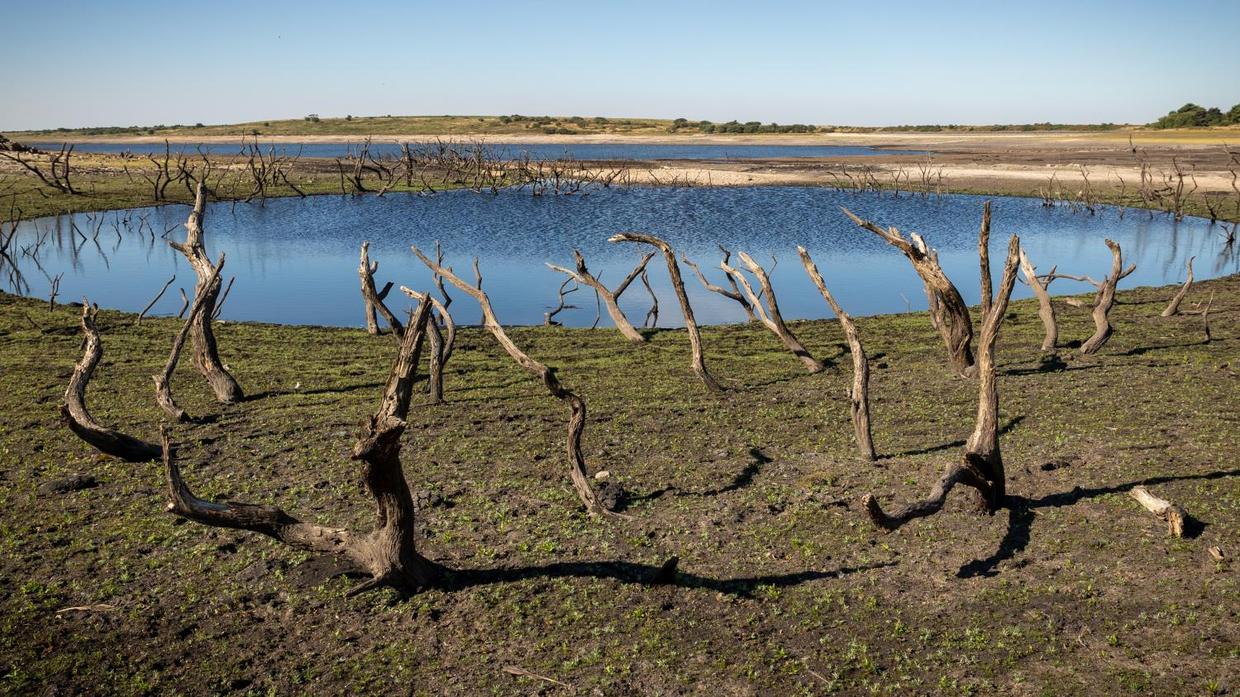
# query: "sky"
x,y
121,63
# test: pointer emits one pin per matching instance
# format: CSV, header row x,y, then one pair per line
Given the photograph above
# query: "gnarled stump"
x,y
583,276
947,309
1104,299
77,416
697,361
771,317
163,381
388,552
206,353
859,393
1173,307
577,418
373,299
981,466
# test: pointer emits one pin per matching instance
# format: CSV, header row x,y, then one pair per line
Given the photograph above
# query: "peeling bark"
x,y
771,318
77,416
697,361
859,393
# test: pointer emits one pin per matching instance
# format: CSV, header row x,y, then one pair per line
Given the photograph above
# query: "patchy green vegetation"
x,y
1192,116
784,587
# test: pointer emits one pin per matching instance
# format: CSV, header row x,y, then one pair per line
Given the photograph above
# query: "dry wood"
x,y
697,361
445,319
734,294
1046,311
1173,307
562,305
206,353
158,295
163,381
1105,299
184,303
78,417
983,257
652,315
583,276
947,309
859,393
1174,515
372,298
770,317
219,305
981,466
388,552
577,419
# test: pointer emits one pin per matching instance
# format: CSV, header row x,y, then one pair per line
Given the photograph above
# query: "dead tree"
x,y
981,467
734,294
652,315
158,295
206,354
388,552
1104,299
583,276
445,318
163,381
577,420
75,413
947,309
549,316
1046,310
771,317
58,168
859,393
373,299
697,361
1173,307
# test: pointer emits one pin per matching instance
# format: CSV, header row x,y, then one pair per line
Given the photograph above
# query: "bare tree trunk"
x,y
1104,300
1173,307
446,338
373,299
948,311
983,257
577,419
859,394
163,381
1046,311
583,276
388,552
771,316
75,413
697,361
206,354
981,466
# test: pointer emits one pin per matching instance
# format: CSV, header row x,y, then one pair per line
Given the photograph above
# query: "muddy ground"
x,y
783,586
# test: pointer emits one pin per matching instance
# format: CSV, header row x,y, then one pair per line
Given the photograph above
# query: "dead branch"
x,y
1046,311
981,466
697,361
77,416
583,276
1104,299
373,299
577,420
151,304
652,315
859,393
1173,307
1174,515
770,316
163,381
549,316
734,294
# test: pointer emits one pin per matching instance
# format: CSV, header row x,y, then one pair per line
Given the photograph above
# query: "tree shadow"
x,y
1142,350
318,390
1012,422
741,480
1021,513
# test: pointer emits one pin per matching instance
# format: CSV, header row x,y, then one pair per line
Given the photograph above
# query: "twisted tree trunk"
x,y
771,317
1046,311
163,381
442,342
1173,308
583,276
206,354
697,361
77,416
1104,300
981,466
734,294
388,552
859,394
373,299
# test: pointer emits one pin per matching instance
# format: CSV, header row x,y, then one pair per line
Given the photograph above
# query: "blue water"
x,y
296,259
509,151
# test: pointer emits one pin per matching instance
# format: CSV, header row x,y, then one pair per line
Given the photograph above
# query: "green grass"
x,y
784,587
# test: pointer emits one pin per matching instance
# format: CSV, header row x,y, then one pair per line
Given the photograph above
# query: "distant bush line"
x,y
1192,116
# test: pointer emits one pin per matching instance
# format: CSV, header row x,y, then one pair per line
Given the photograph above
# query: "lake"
x,y
296,259
510,151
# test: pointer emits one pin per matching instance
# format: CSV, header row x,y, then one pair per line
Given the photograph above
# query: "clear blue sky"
x,y
893,62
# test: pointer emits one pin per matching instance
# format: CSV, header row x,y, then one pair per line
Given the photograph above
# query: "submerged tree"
x,y
582,275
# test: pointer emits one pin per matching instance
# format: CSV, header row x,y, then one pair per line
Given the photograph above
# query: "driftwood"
x,y
1175,516
859,393
163,381
697,361
77,416
151,304
388,552
981,466
1046,311
577,419
372,299
1173,307
947,309
771,317
582,276
734,294
206,354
